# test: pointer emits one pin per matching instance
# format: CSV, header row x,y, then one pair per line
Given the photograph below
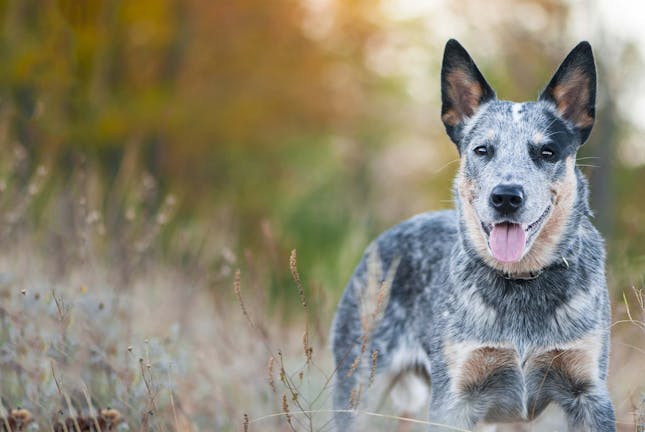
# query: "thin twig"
x,y
367,413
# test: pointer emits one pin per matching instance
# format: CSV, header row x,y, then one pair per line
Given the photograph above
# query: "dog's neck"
x,y
531,275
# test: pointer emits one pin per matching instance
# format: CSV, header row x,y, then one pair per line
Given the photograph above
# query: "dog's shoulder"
x,y
409,250
413,251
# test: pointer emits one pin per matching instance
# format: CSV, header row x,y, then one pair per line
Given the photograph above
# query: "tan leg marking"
x,y
483,362
470,363
578,360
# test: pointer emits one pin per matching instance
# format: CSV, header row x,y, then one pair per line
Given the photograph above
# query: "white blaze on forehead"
x,y
517,112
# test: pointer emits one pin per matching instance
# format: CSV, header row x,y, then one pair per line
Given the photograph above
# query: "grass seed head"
x,y
285,408
270,373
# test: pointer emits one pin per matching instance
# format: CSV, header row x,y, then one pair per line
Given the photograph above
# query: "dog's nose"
x,y
507,199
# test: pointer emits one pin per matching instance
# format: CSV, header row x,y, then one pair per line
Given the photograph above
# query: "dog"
x,y
501,304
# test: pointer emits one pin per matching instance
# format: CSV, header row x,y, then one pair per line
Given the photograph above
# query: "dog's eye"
x,y
547,153
481,150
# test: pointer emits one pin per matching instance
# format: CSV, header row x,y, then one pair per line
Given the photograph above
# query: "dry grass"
x,y
79,353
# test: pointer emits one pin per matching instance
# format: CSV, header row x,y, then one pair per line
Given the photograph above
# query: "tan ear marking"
x,y
465,94
572,98
450,117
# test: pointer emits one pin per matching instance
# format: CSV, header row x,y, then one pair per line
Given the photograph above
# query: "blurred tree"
x,y
219,100
291,115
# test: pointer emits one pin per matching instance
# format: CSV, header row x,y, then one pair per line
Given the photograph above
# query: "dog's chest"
x,y
512,384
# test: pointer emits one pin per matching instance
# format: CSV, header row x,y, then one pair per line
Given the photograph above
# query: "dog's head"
x,y
517,184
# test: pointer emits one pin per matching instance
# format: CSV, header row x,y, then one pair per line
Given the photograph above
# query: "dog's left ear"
x,y
463,89
573,89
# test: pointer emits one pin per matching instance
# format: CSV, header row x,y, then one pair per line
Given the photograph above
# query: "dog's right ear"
x,y
463,89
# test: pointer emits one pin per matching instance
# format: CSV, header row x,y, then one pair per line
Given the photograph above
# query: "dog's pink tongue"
x,y
507,241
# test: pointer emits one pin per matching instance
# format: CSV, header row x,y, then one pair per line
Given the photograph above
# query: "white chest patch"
x,y
517,112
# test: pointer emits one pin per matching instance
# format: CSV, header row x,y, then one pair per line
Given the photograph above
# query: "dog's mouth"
x,y
509,241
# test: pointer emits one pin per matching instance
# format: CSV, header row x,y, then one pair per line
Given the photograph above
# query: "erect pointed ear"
x,y
463,89
573,89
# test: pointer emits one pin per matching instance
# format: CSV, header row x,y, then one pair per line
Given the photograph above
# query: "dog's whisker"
x,y
447,164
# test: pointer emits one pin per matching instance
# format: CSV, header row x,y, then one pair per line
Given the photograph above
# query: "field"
x,y
93,342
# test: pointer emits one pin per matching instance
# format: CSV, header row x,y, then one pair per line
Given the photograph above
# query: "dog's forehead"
x,y
533,121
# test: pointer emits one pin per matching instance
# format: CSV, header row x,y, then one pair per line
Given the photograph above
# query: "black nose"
x,y
507,199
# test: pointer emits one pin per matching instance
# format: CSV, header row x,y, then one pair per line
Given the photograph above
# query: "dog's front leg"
x,y
473,381
573,376
449,412
589,411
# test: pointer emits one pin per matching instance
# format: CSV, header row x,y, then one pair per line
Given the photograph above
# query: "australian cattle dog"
x,y
501,304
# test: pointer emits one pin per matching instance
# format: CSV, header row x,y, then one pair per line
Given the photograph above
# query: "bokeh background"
x,y
152,147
